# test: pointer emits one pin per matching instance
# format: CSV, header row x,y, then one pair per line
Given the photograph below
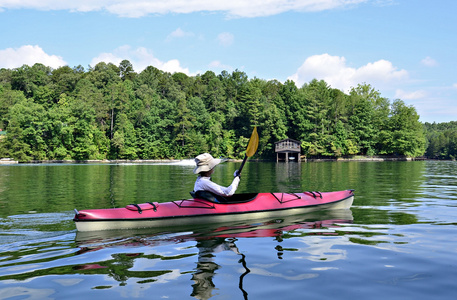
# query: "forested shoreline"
x,y
112,112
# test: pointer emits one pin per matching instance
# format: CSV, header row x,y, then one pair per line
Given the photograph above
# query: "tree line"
x,y
442,140
112,112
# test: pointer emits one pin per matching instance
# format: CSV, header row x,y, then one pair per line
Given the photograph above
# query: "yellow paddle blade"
x,y
253,143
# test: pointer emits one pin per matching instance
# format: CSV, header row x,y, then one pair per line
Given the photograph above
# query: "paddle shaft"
x,y
242,164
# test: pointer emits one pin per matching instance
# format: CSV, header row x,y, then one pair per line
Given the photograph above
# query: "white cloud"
x,y
429,62
140,8
401,94
216,65
179,33
140,58
335,71
28,55
225,39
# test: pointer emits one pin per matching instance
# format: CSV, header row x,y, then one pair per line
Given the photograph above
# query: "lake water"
x,y
398,241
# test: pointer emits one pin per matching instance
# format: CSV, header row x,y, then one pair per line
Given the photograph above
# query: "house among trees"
x,y
287,149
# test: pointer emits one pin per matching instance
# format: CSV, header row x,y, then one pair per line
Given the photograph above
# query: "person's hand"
x,y
237,173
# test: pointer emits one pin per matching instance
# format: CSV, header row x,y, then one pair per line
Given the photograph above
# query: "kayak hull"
x,y
199,211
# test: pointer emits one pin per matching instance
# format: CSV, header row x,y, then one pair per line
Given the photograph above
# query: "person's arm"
x,y
208,185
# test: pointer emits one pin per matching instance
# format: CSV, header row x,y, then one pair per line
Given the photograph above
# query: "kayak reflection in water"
x,y
206,267
205,165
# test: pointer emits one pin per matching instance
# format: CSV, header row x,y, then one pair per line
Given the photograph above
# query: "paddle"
x,y
251,149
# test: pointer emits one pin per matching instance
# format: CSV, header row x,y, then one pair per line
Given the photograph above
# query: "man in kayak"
x,y
205,167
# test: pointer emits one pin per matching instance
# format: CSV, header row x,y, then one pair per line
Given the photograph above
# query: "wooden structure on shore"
x,y
288,149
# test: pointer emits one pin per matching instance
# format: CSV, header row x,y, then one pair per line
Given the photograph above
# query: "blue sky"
x,y
406,49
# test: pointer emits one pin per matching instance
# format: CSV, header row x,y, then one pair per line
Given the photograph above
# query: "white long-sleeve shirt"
x,y
205,184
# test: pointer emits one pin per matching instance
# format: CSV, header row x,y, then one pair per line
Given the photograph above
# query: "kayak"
x,y
203,209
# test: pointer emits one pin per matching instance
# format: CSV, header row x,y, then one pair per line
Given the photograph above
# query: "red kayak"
x,y
202,209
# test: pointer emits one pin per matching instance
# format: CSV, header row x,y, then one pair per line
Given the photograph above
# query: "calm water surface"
x,y
398,241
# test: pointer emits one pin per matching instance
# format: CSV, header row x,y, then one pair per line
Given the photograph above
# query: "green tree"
x,y
317,95
25,131
408,132
8,98
124,141
86,92
88,141
250,106
214,96
362,120
126,70
65,79
294,111
184,122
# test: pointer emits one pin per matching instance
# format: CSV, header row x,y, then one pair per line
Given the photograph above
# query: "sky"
x,y
405,49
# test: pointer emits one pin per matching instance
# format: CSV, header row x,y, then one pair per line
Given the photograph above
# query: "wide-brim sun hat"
x,y
205,162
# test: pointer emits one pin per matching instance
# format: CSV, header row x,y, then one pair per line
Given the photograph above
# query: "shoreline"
x,y
189,160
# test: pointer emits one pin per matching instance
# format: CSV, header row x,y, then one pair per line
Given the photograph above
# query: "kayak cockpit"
x,y
237,198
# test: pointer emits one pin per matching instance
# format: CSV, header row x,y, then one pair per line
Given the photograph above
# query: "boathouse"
x,y
287,150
